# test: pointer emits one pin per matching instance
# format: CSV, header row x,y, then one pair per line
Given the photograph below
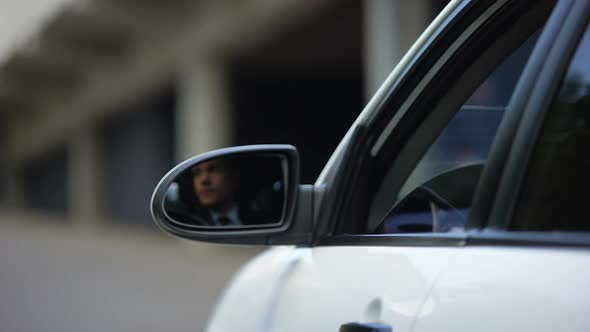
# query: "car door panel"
x,y
358,284
247,304
511,289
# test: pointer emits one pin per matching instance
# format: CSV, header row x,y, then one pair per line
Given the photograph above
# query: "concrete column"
x,y
204,123
203,117
85,191
390,28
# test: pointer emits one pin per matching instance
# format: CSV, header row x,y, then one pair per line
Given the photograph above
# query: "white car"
x,y
458,201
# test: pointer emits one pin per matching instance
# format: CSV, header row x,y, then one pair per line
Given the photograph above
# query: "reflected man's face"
x,y
214,184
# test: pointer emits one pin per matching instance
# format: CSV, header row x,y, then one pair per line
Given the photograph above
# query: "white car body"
x,y
424,289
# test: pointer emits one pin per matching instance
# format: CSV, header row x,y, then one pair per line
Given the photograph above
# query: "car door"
x,y
528,269
361,269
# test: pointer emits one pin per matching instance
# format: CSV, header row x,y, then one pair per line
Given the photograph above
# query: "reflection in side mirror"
x,y
236,191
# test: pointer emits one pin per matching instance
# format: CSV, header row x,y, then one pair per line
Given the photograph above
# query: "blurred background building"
x,y
100,98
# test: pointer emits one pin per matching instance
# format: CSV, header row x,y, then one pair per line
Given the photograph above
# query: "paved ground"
x,y
58,279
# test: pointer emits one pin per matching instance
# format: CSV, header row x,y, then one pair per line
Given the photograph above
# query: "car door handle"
x,y
365,327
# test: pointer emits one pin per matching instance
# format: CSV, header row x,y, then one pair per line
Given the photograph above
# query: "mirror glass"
x,y
229,192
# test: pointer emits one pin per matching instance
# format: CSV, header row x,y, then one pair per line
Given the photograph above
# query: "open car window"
x,y
437,195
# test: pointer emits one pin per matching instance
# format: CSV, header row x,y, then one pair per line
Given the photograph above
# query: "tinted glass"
x,y
229,192
438,194
556,190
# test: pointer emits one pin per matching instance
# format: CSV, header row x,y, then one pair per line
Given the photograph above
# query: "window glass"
x,y
556,190
438,193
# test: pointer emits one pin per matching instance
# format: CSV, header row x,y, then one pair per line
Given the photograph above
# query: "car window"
x,y
556,190
437,195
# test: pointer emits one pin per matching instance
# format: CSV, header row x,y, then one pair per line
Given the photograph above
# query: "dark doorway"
x,y
311,112
304,87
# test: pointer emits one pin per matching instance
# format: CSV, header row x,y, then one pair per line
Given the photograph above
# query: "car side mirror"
x,y
234,195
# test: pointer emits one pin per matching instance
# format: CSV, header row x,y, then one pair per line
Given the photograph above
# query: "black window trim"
x,y
329,215
500,47
487,190
331,212
445,239
433,70
472,238
427,129
536,108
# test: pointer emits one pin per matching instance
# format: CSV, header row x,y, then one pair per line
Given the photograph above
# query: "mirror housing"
x,y
293,200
